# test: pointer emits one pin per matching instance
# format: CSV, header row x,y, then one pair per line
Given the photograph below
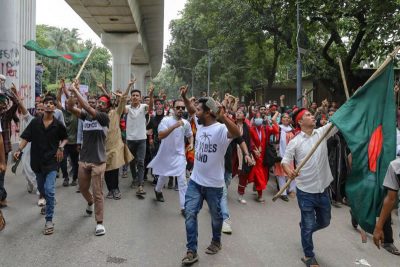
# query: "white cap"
x,y
3,77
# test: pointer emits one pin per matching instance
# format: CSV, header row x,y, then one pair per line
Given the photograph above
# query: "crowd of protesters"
x,y
195,145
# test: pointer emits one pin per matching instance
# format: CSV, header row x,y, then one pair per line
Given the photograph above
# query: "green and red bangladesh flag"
x,y
368,123
70,57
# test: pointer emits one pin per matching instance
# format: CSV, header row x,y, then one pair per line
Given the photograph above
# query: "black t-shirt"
x,y
94,137
45,142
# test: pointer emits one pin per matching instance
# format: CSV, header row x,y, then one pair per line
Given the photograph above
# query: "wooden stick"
x,y
346,89
84,63
304,161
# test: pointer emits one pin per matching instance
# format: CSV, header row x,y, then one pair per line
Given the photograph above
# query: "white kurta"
x,y
170,159
26,158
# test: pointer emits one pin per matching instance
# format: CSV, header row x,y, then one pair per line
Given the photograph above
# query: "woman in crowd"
x,y
286,134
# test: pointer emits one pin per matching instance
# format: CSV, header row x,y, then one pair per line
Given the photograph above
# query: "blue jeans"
x,y
47,187
224,199
195,195
315,215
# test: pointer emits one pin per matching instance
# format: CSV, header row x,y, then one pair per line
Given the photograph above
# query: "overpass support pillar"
x,y
122,47
139,72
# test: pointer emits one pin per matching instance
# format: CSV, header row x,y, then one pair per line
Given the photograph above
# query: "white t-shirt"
x,y
170,159
136,122
209,164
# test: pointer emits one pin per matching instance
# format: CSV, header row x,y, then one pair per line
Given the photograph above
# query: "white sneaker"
x,y
242,200
41,202
100,230
226,227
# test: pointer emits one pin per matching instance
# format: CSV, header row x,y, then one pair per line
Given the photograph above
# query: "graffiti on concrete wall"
x,y
9,62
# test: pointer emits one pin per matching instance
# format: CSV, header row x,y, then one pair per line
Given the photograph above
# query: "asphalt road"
x,y
149,233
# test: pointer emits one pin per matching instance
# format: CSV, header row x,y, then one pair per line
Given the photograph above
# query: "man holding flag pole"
x,y
367,121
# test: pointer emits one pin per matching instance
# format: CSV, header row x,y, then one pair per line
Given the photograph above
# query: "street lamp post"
x,y
298,80
209,66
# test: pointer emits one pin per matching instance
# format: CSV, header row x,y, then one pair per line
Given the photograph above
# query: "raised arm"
x,y
189,106
123,98
235,104
282,103
151,92
103,90
233,130
84,104
60,91
72,108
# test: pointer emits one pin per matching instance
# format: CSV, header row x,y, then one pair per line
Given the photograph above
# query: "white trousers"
x,y
182,186
282,181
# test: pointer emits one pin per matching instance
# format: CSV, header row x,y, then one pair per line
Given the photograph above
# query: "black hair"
x,y
145,97
136,91
50,97
203,101
295,115
177,100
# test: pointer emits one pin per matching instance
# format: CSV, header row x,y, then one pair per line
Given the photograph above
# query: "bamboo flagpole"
x,y
346,89
314,148
84,63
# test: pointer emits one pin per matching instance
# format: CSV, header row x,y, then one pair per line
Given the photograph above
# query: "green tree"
x,y
98,68
253,42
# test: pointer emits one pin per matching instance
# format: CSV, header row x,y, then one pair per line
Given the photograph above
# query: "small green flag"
x,y
368,123
73,58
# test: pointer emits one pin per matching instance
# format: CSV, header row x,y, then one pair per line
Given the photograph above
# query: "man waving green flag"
x,y
368,123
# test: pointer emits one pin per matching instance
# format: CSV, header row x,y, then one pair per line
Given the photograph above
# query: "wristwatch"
x,y
61,148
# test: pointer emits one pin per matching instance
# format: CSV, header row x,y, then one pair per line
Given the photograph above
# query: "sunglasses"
x,y
102,103
180,107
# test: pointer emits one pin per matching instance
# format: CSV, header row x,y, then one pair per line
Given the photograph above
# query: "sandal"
x,y
310,262
48,228
213,248
391,248
2,221
190,258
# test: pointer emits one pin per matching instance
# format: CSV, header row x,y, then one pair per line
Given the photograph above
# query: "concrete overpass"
x,y
132,30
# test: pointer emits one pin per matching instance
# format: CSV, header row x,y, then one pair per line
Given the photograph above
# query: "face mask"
x,y
258,121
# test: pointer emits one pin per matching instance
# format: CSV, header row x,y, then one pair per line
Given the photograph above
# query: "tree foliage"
x,y
254,42
97,69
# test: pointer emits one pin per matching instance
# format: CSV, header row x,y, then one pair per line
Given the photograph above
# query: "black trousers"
x,y
112,180
72,152
388,231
